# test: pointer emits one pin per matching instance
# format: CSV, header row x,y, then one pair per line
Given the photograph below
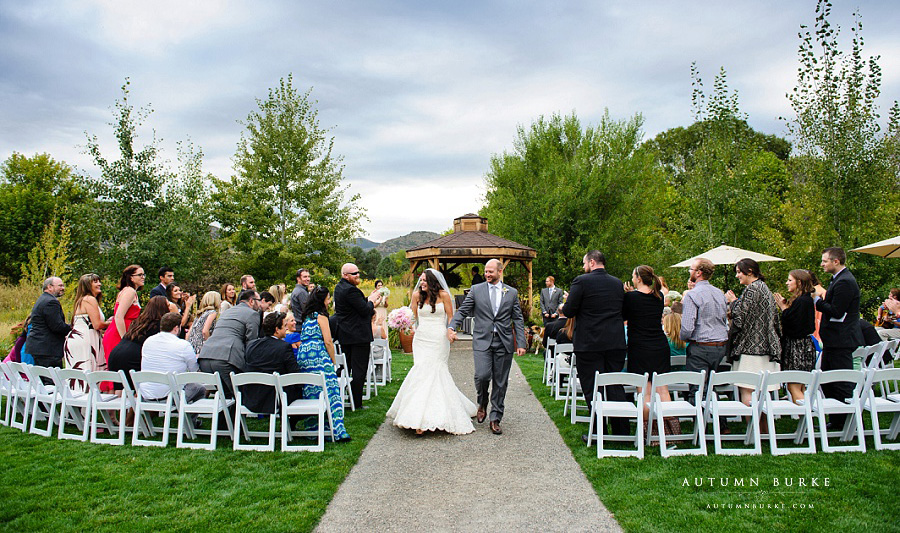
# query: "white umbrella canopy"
x,y
886,248
728,255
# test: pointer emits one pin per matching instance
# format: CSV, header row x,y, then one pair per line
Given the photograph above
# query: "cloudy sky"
x,y
418,96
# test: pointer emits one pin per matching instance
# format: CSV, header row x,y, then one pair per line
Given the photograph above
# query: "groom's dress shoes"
x,y
481,415
495,428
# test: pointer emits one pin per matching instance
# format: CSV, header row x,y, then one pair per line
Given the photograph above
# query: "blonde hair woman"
x,y
279,292
207,313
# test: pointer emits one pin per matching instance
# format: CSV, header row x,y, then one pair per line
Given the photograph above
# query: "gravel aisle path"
x,y
523,480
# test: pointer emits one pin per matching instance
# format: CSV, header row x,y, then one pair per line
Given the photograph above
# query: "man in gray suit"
x,y
551,297
495,307
224,351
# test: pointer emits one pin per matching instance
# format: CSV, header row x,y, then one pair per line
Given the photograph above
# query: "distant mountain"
x,y
406,242
363,243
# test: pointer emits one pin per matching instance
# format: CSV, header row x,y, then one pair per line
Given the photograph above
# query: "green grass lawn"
x,y
650,494
52,485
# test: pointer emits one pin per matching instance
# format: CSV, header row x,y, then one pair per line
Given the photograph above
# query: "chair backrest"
x,y
564,347
337,346
254,378
66,378
787,376
35,373
158,378
201,378
94,378
19,376
302,378
882,375
551,342
864,351
671,378
735,376
378,347
620,378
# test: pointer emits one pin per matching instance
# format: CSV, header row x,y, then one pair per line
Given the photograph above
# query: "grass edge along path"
x,y
650,494
47,484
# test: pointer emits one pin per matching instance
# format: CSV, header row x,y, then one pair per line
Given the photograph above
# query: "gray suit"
x,y
224,350
492,341
550,304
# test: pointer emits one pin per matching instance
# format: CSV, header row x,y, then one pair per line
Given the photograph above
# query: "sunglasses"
x,y
353,273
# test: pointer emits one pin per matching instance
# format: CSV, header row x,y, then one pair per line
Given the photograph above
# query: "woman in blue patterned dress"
x,y
316,354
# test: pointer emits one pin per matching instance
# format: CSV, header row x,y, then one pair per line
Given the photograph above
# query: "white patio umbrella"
x,y
886,248
728,255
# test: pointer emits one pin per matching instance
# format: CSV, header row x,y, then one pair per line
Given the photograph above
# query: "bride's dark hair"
x,y
433,292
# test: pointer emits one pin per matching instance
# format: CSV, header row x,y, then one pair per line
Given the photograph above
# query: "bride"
x,y
428,399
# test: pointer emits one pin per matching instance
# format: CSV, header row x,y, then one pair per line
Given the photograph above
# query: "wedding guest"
x,y
887,323
293,336
228,295
648,350
278,292
267,354
206,319
301,291
816,284
665,287
266,301
248,283
381,310
703,322
672,328
353,314
126,309
181,303
798,321
126,355
378,329
224,350
756,323
83,349
564,334
476,277
48,325
316,354
166,276
554,326
165,352
550,300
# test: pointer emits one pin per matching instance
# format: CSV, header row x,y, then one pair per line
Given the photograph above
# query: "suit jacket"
x,y
509,316
268,355
595,300
48,327
550,304
159,290
839,327
236,327
353,314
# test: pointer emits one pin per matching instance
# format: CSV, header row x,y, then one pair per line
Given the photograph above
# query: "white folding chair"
x,y
678,408
561,369
371,381
240,424
885,359
105,403
724,406
6,390
343,371
75,403
574,394
21,396
212,406
852,406
318,406
549,352
144,405
773,406
877,405
601,408
44,398
381,357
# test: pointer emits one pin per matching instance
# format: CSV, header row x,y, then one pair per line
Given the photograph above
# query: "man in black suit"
x,y
595,301
476,277
353,314
269,354
839,328
48,325
166,276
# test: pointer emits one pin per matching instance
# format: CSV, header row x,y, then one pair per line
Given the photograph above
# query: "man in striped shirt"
x,y
703,323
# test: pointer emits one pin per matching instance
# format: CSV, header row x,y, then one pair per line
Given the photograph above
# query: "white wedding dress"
x,y
428,398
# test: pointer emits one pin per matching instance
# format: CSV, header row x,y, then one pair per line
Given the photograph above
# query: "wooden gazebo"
x,y
470,242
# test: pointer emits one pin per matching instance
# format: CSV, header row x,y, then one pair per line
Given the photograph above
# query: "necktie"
x,y
495,299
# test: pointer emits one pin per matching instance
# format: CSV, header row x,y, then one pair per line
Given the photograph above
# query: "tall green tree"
x,y
36,192
287,204
566,188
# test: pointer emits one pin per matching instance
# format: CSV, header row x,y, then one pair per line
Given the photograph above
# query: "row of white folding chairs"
x,y
763,403
380,358
29,398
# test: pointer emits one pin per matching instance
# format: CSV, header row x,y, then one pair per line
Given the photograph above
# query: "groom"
x,y
495,307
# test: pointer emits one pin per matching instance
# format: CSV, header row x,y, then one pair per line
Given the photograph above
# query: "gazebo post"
x,y
530,287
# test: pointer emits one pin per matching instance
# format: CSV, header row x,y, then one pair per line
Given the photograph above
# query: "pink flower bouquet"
x,y
401,319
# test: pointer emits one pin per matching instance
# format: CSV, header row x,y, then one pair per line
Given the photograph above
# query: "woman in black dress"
x,y
648,348
798,322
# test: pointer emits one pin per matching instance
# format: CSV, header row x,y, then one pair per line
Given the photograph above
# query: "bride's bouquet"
x,y
401,319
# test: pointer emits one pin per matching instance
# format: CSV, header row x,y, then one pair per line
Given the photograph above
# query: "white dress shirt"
x,y
165,352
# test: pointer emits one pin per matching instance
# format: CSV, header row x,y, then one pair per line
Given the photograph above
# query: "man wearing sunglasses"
x,y
353,315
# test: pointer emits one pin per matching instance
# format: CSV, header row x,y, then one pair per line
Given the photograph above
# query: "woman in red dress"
x,y
127,308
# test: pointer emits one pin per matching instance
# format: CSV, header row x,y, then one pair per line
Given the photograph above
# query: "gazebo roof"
x,y
471,240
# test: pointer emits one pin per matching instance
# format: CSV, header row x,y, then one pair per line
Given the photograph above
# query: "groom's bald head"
x,y
492,270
